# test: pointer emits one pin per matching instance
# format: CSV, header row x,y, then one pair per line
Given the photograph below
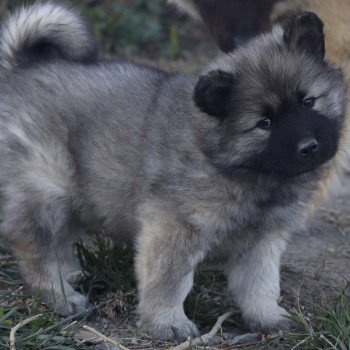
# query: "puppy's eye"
x,y
309,103
264,124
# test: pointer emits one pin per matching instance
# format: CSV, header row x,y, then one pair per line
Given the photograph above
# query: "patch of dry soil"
x,y
318,258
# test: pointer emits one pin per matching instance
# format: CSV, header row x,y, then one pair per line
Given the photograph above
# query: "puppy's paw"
x,y
178,330
76,278
272,322
68,304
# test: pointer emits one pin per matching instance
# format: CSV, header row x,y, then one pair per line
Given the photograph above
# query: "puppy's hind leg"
x,y
254,284
36,226
38,233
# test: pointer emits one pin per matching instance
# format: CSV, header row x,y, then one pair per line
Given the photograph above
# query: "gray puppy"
x,y
219,168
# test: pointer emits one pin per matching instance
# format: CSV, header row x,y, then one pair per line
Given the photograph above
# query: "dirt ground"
x,y
319,257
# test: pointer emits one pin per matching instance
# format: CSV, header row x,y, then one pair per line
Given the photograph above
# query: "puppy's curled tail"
x,y
187,6
43,31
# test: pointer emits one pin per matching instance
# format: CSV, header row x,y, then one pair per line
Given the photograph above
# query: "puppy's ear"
x,y
304,32
213,91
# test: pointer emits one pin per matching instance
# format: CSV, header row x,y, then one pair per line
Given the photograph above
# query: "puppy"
x,y
218,167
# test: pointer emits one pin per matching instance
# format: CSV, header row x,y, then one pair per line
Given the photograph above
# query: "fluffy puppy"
x,y
218,167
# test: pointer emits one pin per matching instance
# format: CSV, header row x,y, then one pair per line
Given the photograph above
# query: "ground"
x,y
319,257
314,274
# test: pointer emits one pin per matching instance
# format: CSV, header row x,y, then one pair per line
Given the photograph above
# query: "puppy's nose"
x,y
308,147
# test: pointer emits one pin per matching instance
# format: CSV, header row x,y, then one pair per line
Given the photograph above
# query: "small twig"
x,y
82,314
63,330
342,345
245,338
104,338
64,321
204,339
244,345
17,327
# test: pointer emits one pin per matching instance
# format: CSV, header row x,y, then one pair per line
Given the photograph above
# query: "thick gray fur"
x,y
120,146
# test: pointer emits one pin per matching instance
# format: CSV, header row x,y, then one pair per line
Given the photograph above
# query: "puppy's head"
x,y
279,105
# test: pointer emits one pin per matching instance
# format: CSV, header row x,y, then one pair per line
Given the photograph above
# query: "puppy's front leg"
x,y
254,283
166,257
